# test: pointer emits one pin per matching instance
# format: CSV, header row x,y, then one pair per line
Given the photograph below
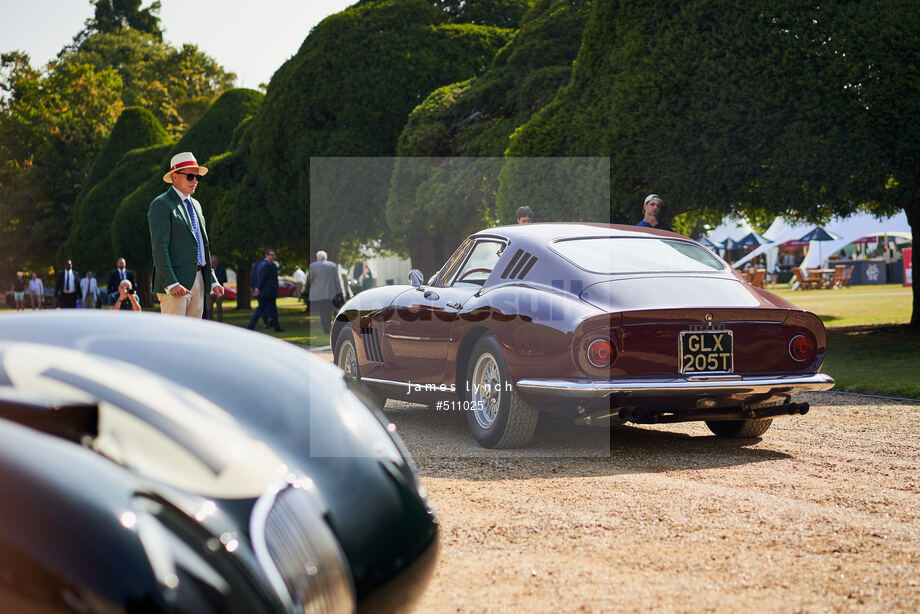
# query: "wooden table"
x,y
821,277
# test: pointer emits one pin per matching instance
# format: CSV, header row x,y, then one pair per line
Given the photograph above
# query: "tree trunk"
x,y
243,291
428,253
144,286
424,253
913,218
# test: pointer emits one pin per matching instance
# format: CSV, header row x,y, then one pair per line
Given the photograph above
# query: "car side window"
x,y
478,266
453,263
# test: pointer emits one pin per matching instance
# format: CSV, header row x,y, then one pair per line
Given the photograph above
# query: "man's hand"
x,y
178,290
217,291
255,292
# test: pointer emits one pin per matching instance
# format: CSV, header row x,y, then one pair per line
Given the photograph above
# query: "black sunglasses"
x,y
191,177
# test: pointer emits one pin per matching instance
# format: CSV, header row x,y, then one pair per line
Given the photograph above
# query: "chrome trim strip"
x,y
257,523
386,382
717,384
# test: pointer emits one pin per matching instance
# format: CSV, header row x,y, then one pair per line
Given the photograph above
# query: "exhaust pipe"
x,y
604,417
642,415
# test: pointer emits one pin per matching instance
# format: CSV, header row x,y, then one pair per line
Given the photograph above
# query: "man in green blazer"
x,y
179,239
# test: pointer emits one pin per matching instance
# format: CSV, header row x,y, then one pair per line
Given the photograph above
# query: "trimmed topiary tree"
x,y
110,180
437,202
348,92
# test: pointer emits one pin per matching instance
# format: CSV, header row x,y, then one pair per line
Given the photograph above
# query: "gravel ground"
x,y
821,514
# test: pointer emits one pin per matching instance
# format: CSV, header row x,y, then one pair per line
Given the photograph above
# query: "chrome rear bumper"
x,y
703,385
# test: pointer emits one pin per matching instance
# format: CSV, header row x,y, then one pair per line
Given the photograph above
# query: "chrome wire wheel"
x,y
486,393
348,360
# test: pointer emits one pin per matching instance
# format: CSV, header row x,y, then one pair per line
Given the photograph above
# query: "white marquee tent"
x,y
849,229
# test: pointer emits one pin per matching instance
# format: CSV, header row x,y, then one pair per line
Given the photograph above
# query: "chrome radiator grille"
x,y
304,554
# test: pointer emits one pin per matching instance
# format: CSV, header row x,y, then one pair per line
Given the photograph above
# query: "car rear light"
x,y
801,348
601,353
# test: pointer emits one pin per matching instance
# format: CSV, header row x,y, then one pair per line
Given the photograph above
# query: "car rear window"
x,y
608,255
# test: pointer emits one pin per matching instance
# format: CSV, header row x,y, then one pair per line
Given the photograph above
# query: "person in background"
x,y
651,210
524,215
89,291
36,291
19,291
118,275
127,299
265,289
321,286
216,303
67,286
366,279
299,278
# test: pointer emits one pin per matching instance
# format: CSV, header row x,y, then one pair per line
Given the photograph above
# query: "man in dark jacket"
x,y
179,240
265,289
67,286
118,275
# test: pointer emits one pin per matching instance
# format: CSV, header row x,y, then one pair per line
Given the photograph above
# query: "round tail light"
x,y
801,348
601,353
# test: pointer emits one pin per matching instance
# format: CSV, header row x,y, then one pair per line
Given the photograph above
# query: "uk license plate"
x,y
706,351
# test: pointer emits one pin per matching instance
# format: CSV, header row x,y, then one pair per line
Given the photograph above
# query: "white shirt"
x,y
93,287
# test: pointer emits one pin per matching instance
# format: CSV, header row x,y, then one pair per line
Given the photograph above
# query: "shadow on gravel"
x,y
842,398
442,446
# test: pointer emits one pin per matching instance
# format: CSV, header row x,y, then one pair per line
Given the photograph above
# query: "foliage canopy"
x,y
348,92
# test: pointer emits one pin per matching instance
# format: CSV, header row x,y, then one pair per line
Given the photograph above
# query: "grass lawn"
x,y
879,359
296,323
869,348
854,306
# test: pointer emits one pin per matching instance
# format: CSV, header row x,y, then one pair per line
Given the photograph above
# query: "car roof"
x,y
545,232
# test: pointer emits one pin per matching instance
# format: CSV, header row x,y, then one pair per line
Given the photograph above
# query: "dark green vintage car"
x,y
163,464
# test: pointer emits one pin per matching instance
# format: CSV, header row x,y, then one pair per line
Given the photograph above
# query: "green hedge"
x,y
89,244
476,118
348,92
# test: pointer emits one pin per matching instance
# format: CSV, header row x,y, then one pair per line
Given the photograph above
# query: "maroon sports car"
x,y
607,324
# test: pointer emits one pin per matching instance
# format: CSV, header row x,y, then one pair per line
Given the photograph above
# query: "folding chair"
x,y
846,278
839,273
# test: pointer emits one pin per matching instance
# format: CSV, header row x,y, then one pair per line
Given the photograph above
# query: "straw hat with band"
x,y
181,162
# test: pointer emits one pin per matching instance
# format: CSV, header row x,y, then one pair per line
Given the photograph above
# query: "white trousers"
x,y
192,304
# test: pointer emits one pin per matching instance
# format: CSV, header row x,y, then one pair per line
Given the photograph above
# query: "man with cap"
x,y
651,209
179,240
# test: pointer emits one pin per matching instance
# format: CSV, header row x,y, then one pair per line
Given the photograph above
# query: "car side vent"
x,y
371,343
520,265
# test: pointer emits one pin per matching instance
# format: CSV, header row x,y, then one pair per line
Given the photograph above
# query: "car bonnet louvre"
x,y
520,265
371,342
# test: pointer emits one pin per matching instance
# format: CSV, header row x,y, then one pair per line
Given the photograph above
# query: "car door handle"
x,y
453,305
431,295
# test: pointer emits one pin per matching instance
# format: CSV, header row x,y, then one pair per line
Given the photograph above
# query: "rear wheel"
x,y
346,358
497,415
736,429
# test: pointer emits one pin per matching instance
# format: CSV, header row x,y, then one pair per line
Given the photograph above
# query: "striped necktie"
x,y
191,215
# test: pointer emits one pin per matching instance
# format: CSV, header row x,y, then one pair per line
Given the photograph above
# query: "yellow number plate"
x,y
707,351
